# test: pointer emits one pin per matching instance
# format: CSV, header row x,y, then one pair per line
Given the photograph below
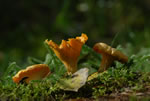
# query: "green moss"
x,y
115,80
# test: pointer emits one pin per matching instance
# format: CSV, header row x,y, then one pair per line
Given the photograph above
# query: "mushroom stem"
x,y
71,68
107,60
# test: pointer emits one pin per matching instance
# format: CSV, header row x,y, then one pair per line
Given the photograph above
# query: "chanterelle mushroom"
x,y
109,55
69,51
34,72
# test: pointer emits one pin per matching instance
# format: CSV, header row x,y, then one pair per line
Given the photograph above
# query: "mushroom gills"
x,y
22,81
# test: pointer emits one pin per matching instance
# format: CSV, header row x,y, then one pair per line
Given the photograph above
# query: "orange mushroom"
x,y
34,72
109,55
69,51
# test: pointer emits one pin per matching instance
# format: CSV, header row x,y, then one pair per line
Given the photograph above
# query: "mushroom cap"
x,y
68,49
34,72
103,48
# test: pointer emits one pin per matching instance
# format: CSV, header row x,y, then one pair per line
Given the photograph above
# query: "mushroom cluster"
x,y
109,55
34,72
69,51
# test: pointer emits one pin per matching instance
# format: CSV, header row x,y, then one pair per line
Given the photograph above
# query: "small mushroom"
x,y
34,72
69,51
109,55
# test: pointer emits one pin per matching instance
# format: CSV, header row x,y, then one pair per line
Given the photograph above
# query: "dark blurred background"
x,y
25,24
